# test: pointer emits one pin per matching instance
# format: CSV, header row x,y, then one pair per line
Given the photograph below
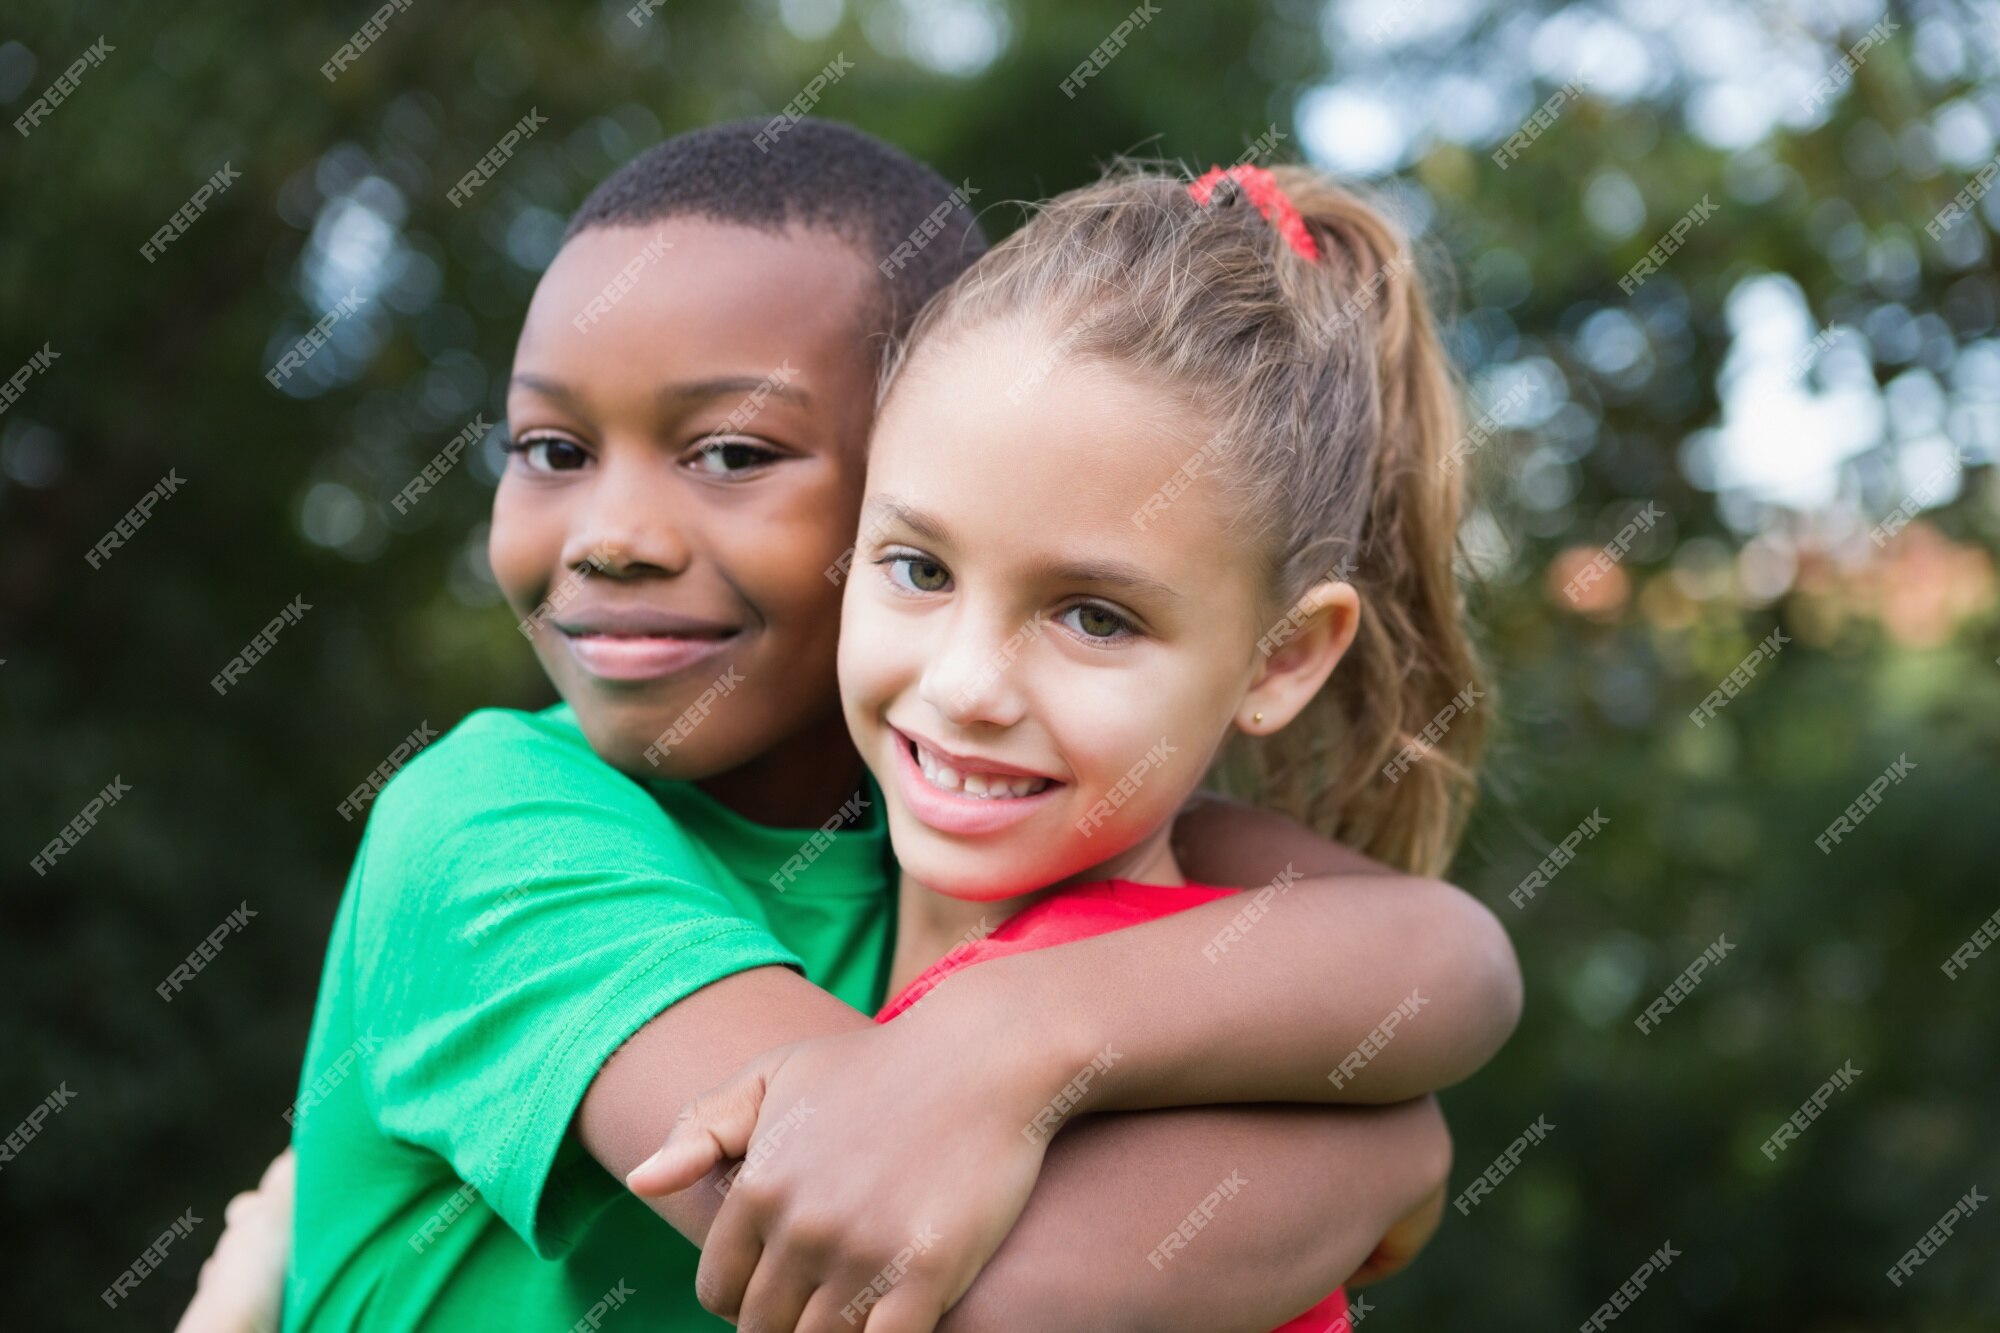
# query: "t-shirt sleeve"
x,y
523,909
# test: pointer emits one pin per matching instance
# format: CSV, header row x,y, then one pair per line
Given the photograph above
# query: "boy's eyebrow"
x,y
1113,573
677,395
718,386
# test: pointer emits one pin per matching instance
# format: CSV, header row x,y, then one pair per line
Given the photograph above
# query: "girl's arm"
x,y
242,1284
1320,1186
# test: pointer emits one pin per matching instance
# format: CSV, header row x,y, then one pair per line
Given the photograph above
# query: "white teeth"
x,y
983,786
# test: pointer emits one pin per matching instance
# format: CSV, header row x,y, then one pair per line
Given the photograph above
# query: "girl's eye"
x,y
1097,622
917,574
723,458
549,453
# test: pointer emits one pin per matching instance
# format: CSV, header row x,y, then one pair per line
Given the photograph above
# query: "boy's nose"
x,y
627,527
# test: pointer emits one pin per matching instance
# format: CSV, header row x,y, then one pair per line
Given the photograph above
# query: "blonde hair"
x,y
1333,407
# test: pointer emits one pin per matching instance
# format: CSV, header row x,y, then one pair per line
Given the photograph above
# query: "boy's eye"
x,y
1096,622
918,574
549,453
722,458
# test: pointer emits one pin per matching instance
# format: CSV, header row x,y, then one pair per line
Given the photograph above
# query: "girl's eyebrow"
x,y
674,395
884,510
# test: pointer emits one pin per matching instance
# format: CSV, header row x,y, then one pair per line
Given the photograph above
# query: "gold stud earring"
x,y
1256,717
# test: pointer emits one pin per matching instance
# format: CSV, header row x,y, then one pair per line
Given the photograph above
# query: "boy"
x,y
562,926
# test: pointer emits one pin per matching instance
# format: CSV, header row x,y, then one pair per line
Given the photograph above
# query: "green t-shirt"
x,y
517,909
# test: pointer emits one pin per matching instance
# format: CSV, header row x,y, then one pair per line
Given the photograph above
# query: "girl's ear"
x,y
1301,651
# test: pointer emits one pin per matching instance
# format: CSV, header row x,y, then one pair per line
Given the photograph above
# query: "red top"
x,y
1078,914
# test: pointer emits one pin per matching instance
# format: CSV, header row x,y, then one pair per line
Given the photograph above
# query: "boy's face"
x,y
689,412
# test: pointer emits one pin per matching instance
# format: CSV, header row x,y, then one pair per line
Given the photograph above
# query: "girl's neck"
x,y
930,925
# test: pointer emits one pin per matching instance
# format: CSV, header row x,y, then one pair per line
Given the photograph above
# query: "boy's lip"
x,y
639,643
955,812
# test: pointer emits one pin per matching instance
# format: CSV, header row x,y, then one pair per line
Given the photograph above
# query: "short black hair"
x,y
903,217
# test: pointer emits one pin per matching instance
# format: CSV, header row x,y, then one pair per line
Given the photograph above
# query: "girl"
x,y
1142,479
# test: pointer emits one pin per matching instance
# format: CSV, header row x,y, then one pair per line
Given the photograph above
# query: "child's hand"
x,y
243,1283
883,1169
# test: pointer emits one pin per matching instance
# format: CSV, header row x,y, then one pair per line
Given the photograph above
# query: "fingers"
x,y
908,1308
776,1297
714,1127
728,1259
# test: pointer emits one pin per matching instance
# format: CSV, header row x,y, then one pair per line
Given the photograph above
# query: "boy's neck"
x,y
930,925
801,782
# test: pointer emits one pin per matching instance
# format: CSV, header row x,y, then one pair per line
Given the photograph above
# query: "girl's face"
x,y
1048,631
689,409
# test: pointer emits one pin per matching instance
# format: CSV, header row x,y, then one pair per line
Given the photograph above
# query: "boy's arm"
x,y
1323,1184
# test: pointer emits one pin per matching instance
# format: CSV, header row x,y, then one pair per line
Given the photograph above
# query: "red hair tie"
x,y
1261,188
